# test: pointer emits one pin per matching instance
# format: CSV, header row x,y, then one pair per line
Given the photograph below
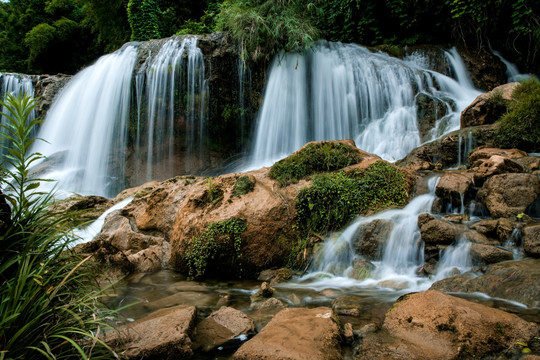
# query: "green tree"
x,y
143,16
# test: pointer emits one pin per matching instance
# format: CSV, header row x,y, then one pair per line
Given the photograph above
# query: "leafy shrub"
x,y
313,158
520,127
143,16
217,250
242,186
49,304
337,198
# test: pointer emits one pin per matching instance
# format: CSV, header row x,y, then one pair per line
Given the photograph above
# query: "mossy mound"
x,y
335,199
314,158
520,127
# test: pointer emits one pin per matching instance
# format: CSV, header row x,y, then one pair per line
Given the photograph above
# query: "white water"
x,y
88,119
512,71
14,84
455,259
342,91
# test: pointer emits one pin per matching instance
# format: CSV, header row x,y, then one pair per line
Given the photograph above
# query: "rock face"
x,y
47,87
371,237
488,107
220,327
531,241
299,333
455,188
432,325
164,334
430,109
513,280
508,195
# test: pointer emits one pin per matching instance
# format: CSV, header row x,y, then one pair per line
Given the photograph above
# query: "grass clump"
x,y
243,186
314,158
217,250
49,303
520,127
335,199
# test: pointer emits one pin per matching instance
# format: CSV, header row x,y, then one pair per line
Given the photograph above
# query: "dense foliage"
x,y
49,301
520,127
314,158
334,199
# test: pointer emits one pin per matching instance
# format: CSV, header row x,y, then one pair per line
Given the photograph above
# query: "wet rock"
x,y
531,241
478,156
275,276
432,325
202,299
264,311
487,108
486,254
348,333
485,69
370,238
47,87
493,166
297,333
455,188
430,109
500,229
424,218
438,232
512,280
477,238
82,209
530,164
264,292
221,326
508,195
361,269
348,305
393,284
164,334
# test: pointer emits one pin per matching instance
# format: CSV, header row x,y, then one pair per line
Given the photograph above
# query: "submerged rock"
x,y
432,325
512,280
293,334
371,237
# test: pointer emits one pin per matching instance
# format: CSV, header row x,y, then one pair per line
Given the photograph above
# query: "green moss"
x,y
314,158
335,199
217,250
520,127
243,186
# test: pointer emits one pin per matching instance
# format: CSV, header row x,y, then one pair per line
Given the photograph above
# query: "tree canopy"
x,y
39,36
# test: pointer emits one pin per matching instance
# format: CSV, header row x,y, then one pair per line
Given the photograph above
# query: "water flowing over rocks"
x,y
432,325
299,334
531,240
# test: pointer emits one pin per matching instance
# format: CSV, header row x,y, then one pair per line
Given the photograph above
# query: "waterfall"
x,y
339,91
512,71
111,127
88,121
455,259
14,84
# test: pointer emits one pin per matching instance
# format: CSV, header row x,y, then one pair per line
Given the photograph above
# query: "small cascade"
x,y
342,91
455,259
14,84
515,244
88,123
512,71
244,89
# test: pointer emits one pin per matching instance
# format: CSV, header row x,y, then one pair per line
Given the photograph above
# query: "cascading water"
x,y
88,122
93,122
14,84
342,91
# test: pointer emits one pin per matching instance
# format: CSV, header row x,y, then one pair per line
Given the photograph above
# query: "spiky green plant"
x,y
49,306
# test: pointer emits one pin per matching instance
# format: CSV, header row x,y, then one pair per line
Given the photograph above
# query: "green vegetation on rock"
x,y
143,16
243,186
520,127
335,199
314,158
49,299
217,250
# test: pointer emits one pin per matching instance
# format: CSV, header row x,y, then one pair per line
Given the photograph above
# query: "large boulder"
x,y
221,326
432,325
430,109
296,334
455,188
508,195
478,156
164,334
371,237
487,254
487,108
438,231
512,280
497,229
531,240
493,166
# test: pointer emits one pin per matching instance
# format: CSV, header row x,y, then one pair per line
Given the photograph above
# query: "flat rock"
x,y
221,326
299,333
164,334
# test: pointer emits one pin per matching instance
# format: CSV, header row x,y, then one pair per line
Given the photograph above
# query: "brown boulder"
x,y
479,155
438,232
370,238
493,166
164,334
455,187
487,254
221,326
500,229
432,325
484,110
508,195
299,333
430,109
512,280
531,241
275,276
